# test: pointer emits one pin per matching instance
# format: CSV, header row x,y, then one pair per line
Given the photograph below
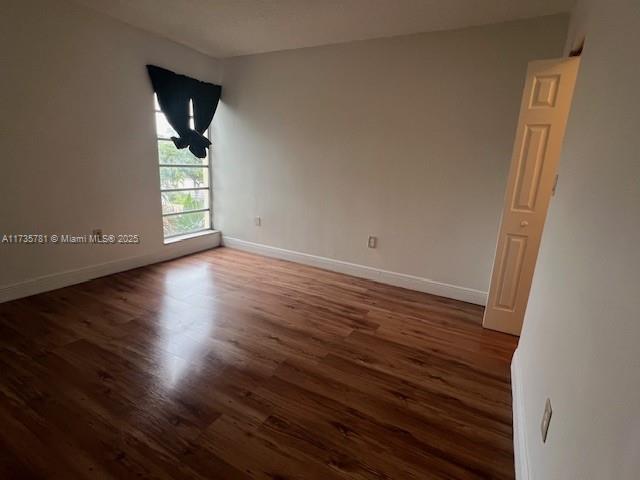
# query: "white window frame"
x,y
181,236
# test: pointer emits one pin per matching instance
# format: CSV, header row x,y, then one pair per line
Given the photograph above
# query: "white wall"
x,y
78,136
581,337
407,138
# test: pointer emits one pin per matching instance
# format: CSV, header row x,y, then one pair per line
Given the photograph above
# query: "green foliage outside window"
x,y
182,176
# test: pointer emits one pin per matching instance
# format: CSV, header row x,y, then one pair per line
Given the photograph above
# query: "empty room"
x,y
320,239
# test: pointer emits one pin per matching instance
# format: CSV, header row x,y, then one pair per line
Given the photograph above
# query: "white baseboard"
x,y
72,277
383,276
519,426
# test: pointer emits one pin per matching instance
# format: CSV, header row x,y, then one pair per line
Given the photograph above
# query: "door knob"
x,y
524,223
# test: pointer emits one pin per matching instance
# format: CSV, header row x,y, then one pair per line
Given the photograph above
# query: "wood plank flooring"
x,y
227,365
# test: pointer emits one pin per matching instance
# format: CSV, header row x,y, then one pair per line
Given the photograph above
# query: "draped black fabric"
x,y
174,92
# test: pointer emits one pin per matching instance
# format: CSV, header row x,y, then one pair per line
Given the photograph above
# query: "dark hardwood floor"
x,y
227,365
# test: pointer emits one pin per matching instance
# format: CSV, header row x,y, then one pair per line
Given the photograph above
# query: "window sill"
x,y
179,238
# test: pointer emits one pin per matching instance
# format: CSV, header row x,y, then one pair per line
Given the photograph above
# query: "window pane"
x,y
168,153
173,202
163,129
183,177
185,223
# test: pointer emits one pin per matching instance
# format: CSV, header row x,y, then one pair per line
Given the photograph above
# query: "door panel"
x,y
530,166
545,90
544,109
510,271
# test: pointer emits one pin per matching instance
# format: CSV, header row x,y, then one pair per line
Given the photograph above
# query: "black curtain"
x,y
174,92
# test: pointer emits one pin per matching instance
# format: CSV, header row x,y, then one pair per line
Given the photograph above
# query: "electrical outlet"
x,y
372,242
257,221
546,420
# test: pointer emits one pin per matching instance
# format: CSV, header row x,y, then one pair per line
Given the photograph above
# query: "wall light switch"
x,y
258,221
546,420
372,242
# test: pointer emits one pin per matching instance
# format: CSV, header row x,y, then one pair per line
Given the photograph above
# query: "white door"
x,y
545,106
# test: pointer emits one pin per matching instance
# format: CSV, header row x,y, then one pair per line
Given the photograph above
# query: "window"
x,y
184,183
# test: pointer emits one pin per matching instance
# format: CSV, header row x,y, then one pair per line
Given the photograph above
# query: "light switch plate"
x,y
546,420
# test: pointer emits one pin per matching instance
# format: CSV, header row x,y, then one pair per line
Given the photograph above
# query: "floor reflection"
x,y
183,337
